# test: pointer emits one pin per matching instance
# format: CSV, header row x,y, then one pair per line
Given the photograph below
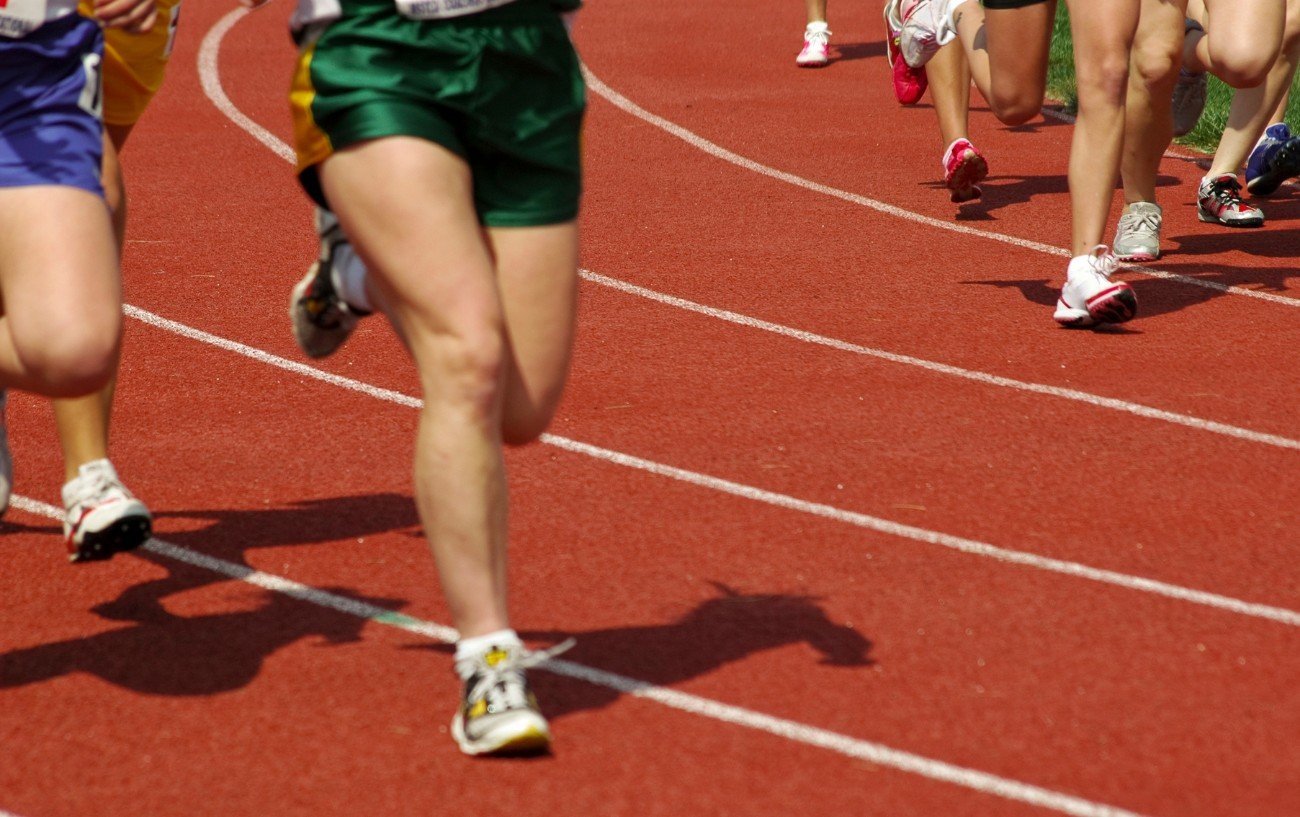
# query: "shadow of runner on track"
x,y
1261,242
846,52
188,655
721,631
166,654
235,532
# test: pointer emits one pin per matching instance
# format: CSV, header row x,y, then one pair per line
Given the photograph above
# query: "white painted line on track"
x,y
693,704
208,69
700,143
943,368
969,546
210,78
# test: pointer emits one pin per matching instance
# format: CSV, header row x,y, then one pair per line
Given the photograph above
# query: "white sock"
x,y
350,278
479,644
1079,264
813,28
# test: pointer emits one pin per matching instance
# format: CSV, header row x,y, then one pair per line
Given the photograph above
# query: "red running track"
x,y
871,536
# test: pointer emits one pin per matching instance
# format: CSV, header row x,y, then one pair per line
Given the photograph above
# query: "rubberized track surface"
x,y
842,522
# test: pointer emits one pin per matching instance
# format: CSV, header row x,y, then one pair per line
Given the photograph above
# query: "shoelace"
x,y
1226,191
502,686
1146,223
1102,260
97,486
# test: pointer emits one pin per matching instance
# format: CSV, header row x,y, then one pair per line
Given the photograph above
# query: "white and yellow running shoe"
x,y
498,714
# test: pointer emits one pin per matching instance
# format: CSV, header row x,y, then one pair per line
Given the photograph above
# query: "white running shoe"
x,y
6,459
923,27
498,712
102,517
1090,297
816,47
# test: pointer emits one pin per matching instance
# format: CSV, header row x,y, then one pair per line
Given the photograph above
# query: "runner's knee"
x,y
1015,108
71,362
1155,62
1104,80
1240,62
463,370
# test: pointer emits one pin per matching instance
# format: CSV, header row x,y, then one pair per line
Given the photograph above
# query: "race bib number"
x,y
442,9
18,18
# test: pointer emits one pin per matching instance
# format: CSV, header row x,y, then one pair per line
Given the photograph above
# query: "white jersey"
x,y
19,18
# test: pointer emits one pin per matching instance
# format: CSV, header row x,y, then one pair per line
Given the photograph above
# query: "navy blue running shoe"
x,y
1274,160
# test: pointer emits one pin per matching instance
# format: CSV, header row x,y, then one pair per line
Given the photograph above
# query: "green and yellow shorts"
x,y
502,89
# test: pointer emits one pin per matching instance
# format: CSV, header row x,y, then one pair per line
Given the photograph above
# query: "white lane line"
x,y
963,545
208,69
210,78
700,143
693,704
943,368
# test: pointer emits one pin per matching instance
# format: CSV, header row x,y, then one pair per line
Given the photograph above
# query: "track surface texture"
x,y
842,522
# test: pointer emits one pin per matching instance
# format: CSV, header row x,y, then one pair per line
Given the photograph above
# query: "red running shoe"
x,y
909,83
963,169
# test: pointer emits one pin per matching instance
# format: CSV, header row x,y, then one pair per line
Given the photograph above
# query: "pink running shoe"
x,y
816,46
909,83
963,169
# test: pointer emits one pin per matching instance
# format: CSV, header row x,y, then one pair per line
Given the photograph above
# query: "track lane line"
x,y
209,73
973,547
1100,401
794,731
717,151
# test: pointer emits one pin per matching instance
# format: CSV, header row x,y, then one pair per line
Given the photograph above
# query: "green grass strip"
x,y
1205,137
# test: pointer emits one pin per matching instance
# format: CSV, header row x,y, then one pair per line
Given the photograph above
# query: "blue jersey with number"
x,y
50,128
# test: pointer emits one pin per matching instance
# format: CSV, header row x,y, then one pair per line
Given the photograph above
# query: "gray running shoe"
x,y
1138,235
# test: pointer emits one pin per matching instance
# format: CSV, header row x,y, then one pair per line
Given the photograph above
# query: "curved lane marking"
x,y
700,143
211,81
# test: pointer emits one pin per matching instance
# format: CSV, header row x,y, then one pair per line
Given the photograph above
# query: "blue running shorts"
x,y
50,106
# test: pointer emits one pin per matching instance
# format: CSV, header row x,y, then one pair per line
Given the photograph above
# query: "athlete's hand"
x,y
134,16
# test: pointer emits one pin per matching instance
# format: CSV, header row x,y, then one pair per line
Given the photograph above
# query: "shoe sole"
x,y
1138,257
532,740
1209,218
964,182
1286,166
315,343
1115,305
123,535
